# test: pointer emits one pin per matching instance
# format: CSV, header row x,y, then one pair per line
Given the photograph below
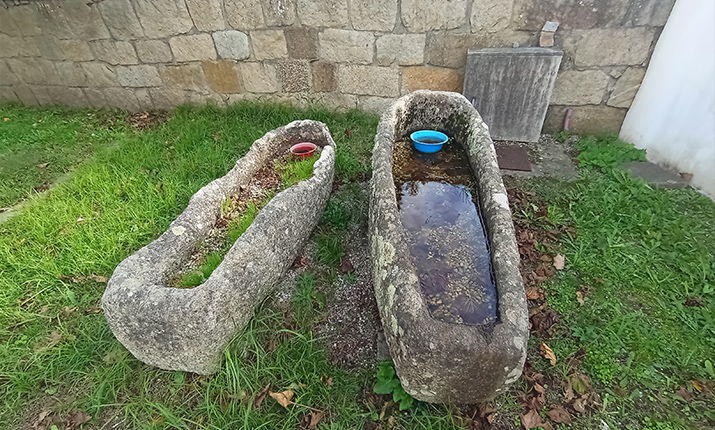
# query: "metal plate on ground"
x,y
513,158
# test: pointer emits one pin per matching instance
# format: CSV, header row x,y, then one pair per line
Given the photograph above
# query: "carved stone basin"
x,y
443,352
188,329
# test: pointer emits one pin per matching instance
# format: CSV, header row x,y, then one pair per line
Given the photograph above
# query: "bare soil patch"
x,y
147,120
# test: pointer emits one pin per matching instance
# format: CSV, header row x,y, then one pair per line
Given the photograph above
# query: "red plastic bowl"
x,y
303,150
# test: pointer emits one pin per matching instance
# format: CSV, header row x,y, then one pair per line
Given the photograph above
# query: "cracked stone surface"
x,y
188,329
435,360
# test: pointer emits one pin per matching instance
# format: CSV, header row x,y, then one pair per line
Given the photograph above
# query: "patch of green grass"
x,y
126,195
202,273
37,147
346,207
192,279
645,258
607,152
296,170
336,215
561,136
307,299
264,354
329,249
236,228
212,262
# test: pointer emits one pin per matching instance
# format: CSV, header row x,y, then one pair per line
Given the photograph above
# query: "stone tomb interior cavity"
x,y
439,209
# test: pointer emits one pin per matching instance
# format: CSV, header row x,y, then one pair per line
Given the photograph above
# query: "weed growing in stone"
x,y
306,298
329,249
237,227
294,170
389,383
336,215
203,272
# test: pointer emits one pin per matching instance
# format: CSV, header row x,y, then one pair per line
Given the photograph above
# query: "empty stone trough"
x,y
188,328
455,320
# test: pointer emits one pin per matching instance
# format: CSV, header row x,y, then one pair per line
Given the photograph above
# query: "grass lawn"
x,y
632,315
39,147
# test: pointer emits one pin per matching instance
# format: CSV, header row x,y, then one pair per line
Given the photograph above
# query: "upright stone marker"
x,y
511,88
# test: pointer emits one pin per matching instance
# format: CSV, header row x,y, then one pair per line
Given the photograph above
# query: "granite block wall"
x,y
156,54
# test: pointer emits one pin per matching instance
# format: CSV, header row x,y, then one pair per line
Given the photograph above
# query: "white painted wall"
x,y
673,114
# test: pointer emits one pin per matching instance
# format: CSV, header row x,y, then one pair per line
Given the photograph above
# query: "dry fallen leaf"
x,y
80,219
67,311
531,419
708,387
40,420
283,397
698,386
559,262
301,261
532,293
568,391
315,418
684,394
559,415
55,338
384,409
262,395
346,266
537,402
579,405
95,308
100,279
538,388
43,165
6,119
488,413
580,382
76,419
579,297
548,353
157,419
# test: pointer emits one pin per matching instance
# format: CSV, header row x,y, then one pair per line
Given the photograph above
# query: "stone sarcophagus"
x,y
188,328
451,340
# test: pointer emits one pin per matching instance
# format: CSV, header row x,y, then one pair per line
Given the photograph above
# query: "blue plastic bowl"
x,y
429,141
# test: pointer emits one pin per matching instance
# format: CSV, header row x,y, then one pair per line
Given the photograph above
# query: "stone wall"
x,y
144,54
